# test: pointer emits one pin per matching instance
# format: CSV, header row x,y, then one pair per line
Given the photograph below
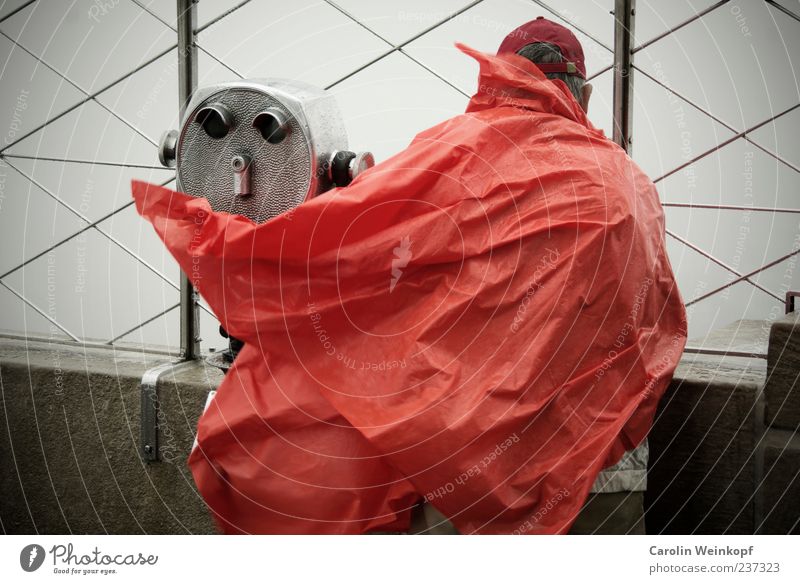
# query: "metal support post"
x,y
190,324
187,83
624,15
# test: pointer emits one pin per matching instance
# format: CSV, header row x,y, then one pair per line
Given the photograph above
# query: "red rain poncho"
x,y
485,320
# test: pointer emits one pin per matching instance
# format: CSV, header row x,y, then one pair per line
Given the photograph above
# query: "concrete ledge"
x,y
72,462
782,389
778,497
69,445
702,469
69,440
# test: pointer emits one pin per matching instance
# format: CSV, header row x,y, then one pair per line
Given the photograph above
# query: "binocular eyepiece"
x,y
261,147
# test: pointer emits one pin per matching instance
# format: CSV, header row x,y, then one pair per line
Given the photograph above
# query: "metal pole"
x,y
624,11
187,83
190,325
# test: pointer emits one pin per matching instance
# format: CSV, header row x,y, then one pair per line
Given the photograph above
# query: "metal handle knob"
x,y
361,162
167,147
346,166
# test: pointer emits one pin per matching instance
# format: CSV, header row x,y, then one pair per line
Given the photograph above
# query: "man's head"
x,y
555,50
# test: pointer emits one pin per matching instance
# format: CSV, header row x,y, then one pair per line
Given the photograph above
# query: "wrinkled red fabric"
x,y
485,320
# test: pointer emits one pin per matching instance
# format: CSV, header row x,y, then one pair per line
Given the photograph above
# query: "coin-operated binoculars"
x,y
259,148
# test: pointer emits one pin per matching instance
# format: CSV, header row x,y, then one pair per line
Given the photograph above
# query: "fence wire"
x,y
391,48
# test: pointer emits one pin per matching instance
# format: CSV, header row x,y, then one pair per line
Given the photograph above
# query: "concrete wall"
x,y
724,452
69,441
701,474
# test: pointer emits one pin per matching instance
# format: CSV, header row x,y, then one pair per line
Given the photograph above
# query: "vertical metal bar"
x,y
151,421
624,12
187,83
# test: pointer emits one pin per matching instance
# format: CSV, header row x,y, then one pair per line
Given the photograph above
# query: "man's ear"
x,y
586,93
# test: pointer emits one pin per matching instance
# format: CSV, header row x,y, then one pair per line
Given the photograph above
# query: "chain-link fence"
x,y
88,86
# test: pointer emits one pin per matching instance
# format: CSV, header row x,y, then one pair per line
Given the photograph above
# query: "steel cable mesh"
x,y
392,48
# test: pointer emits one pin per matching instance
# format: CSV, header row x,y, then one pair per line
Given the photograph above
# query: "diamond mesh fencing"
x,y
88,87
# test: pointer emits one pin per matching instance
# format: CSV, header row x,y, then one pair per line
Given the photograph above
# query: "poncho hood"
x,y
510,80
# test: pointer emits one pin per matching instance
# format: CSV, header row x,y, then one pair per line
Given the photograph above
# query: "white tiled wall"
x,y
739,63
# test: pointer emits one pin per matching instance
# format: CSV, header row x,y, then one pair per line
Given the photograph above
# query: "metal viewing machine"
x,y
256,148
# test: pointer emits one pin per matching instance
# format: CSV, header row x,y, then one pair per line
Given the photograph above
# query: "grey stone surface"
x,y
701,476
611,514
782,389
69,439
778,495
741,336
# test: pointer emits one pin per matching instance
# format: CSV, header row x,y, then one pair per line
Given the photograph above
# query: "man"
x,y
555,51
616,502
484,322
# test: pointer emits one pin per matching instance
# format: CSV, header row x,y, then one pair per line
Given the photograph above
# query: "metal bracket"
x,y
150,411
790,296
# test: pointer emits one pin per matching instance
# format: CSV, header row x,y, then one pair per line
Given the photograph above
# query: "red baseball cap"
x,y
542,30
